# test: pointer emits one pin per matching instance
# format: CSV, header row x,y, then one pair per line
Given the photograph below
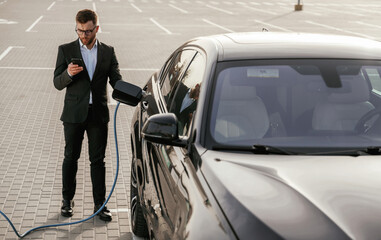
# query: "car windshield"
x,y
307,105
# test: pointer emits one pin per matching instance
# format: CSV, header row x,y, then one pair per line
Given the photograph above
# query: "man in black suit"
x,y
85,108
184,104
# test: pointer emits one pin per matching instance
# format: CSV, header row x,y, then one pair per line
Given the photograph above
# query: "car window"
x,y
373,74
187,93
175,69
297,104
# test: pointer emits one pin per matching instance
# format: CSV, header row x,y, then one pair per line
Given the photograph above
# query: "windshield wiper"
x,y
257,149
355,152
371,150
267,149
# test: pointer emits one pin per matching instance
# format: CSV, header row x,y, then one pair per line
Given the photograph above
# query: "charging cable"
x,y
100,209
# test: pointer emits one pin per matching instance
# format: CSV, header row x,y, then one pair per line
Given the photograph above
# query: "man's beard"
x,y
87,41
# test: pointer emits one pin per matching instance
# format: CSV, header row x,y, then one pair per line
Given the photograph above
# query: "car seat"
x,y
343,107
241,114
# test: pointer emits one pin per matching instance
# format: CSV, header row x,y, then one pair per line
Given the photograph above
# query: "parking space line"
x,y
216,25
181,10
51,5
137,9
273,26
5,21
257,9
161,27
368,24
341,11
120,210
339,29
219,9
34,24
99,22
6,51
365,10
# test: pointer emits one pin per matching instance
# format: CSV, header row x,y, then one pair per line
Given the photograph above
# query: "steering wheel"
x,y
361,126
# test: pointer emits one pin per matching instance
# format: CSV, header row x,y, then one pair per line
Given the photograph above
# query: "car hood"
x,y
297,197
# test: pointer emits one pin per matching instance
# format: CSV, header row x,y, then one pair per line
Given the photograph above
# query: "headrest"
x,y
354,90
238,93
231,90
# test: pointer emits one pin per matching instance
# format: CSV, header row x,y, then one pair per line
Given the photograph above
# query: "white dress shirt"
x,y
89,57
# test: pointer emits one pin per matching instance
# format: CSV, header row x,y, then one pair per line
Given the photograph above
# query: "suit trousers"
x,y
97,140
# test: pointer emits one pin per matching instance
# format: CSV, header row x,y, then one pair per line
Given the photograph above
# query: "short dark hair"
x,y
86,15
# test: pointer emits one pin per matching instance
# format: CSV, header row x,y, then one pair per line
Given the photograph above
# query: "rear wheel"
x,y
138,223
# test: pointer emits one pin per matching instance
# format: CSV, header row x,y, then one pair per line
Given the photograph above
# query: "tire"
x,y
138,222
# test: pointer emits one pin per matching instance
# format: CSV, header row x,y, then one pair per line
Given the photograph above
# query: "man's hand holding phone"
x,y
75,67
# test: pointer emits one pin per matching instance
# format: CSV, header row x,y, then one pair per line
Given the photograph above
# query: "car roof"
x,y
276,45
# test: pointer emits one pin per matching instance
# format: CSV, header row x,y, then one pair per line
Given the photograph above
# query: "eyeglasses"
x,y
86,32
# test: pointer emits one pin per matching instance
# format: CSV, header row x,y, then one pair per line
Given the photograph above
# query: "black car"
x,y
259,136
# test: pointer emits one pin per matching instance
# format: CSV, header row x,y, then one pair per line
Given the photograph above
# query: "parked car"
x,y
259,136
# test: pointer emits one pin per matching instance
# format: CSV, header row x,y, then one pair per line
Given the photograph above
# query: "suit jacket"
x,y
78,87
184,116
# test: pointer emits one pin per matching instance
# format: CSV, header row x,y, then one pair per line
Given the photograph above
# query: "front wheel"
x,y
138,222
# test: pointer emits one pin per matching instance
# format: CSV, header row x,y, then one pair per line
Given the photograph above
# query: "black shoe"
x,y
67,208
104,214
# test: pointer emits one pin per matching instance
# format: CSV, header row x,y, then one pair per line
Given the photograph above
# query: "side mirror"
x,y
163,129
127,93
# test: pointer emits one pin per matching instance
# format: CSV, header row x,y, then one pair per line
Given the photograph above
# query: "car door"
x,y
163,164
182,103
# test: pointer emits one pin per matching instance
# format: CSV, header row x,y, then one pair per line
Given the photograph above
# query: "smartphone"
x,y
77,61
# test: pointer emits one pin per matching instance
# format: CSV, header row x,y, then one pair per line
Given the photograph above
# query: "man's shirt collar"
x,y
84,46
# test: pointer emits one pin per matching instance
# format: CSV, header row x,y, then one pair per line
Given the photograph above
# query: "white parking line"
x,y
260,10
161,27
5,21
34,24
341,11
274,26
368,24
120,210
339,29
137,9
51,5
216,25
219,9
181,10
95,10
366,10
99,22
5,53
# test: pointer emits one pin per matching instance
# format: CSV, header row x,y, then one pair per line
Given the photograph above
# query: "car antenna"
x,y
265,29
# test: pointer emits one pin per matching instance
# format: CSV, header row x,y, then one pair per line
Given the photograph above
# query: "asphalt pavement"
x,y
144,33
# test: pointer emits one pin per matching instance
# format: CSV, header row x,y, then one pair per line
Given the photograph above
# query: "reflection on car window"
x,y
374,76
297,103
175,70
185,101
